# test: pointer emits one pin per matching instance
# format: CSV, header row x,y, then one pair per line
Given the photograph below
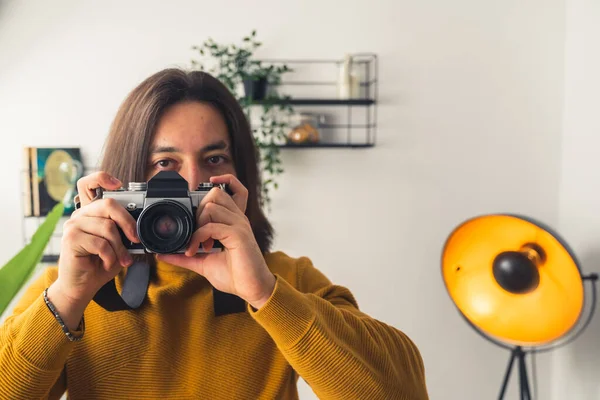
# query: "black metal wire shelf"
x,y
316,102
326,145
311,85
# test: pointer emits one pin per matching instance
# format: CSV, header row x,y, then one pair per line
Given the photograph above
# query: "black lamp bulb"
x,y
515,272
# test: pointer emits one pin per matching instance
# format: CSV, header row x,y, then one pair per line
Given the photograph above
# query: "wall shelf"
x,y
326,145
312,87
317,102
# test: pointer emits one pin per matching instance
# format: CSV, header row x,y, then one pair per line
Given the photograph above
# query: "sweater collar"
x,y
135,287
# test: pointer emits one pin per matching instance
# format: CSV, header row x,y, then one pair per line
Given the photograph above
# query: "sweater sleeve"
x,y
33,347
339,351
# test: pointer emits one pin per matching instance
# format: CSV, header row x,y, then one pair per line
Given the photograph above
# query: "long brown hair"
x,y
128,143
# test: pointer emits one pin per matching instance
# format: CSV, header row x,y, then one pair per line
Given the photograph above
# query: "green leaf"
x,y
15,273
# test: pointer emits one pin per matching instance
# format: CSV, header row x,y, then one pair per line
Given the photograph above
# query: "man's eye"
x,y
215,160
164,163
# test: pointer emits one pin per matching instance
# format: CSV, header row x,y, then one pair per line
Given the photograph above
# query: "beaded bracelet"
x,y
68,333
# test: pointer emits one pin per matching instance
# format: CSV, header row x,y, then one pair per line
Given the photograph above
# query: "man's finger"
x,y
240,193
87,185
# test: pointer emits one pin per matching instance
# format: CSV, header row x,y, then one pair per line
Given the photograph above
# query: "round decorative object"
x,y
57,183
306,131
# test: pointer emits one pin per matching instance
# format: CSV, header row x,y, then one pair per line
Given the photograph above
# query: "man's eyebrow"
x,y
220,145
164,149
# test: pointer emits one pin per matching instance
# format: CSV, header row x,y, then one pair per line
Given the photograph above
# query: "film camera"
x,y
165,211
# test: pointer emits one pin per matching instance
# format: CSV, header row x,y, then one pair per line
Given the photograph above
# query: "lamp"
x,y
518,284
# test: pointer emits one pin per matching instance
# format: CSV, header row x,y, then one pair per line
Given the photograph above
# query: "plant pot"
x,y
255,89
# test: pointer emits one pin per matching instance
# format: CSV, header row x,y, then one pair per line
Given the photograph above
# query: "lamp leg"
x,y
513,354
523,379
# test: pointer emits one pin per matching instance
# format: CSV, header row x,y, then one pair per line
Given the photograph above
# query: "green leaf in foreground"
x,y
15,273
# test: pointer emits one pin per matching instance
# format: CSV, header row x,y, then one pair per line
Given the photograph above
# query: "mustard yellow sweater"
x,y
173,347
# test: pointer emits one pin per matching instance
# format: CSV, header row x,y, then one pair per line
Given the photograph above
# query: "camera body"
x,y
165,212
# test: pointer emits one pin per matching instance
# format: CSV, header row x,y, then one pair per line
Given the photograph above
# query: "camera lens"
x,y
165,226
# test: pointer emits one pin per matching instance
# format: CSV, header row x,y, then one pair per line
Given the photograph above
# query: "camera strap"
x,y
135,287
134,290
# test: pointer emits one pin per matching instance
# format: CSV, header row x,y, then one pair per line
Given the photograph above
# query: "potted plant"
x,y
252,81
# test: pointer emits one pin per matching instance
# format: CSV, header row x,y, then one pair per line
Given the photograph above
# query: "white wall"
x,y
470,122
576,368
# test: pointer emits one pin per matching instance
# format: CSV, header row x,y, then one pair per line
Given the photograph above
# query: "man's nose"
x,y
193,175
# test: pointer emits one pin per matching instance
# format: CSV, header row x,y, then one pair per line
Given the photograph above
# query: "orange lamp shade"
x,y
513,279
